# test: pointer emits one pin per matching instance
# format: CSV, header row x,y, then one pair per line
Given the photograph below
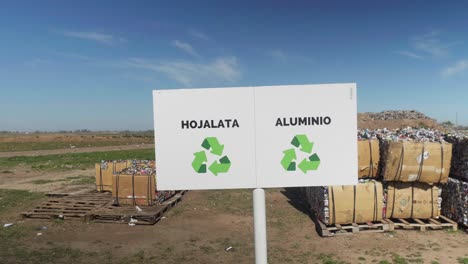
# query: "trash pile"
x,y
396,115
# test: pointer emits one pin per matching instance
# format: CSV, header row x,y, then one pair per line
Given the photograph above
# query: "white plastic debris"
x,y
138,208
133,220
228,248
131,224
8,225
39,234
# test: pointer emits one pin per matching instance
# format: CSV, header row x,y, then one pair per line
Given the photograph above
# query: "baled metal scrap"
x,y
413,154
455,200
346,204
104,172
459,167
412,200
136,184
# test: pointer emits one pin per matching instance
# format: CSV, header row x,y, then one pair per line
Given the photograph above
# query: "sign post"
x,y
260,226
254,138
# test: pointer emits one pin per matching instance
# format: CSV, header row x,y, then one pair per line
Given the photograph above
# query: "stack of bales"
x,y
399,172
131,182
413,164
351,204
455,194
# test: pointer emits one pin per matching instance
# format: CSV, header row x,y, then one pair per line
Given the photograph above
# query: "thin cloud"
x,y
74,56
457,68
186,48
431,44
101,38
220,70
278,54
198,34
409,54
36,63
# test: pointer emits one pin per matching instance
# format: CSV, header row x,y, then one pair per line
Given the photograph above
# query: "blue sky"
x,y
93,64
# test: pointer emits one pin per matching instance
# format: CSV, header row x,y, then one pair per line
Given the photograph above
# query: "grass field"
x,y
44,141
75,161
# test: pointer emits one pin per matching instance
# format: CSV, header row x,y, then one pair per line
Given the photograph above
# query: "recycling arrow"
x,y
212,142
311,163
198,164
303,141
223,166
288,160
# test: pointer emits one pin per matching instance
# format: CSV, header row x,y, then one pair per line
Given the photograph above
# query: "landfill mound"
x,y
393,119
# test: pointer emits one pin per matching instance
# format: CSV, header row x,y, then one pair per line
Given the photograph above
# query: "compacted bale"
x,y
368,158
427,162
346,204
455,200
104,172
459,168
412,200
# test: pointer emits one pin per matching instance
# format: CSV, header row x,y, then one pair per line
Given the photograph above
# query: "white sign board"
x,y
256,137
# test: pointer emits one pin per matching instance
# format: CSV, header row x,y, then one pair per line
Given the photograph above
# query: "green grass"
x,y
10,199
399,259
82,180
72,180
39,182
463,260
74,161
329,259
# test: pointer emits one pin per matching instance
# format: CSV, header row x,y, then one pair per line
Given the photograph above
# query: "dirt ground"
x,y
202,227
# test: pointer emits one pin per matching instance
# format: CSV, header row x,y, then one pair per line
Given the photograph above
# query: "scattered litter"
x,y
39,234
60,217
163,217
131,224
8,225
133,220
138,208
228,248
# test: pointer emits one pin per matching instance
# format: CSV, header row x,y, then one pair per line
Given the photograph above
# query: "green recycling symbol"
x,y
200,161
307,164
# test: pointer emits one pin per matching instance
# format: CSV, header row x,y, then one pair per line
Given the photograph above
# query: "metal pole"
x,y
260,226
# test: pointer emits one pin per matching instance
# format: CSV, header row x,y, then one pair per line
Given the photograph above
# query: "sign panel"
x,y
204,139
306,135
257,137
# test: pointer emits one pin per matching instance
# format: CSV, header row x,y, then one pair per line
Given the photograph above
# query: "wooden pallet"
x,y
73,207
423,224
353,228
148,215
